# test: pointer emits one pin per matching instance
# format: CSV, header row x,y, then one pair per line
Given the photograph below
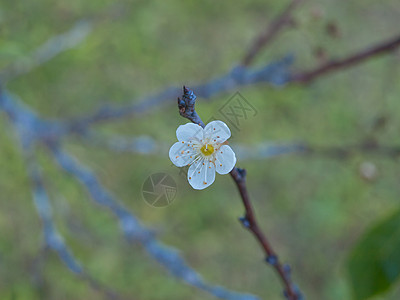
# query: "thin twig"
x,y
249,221
187,110
271,32
349,61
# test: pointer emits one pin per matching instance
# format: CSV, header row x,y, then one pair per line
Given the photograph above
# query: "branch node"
x,y
272,259
245,222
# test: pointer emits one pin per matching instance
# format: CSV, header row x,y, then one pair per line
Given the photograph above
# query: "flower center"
x,y
207,149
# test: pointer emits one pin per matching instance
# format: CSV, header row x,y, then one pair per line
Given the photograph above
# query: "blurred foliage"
x,y
314,209
375,262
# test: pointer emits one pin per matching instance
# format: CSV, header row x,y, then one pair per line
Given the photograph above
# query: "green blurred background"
x,y
314,209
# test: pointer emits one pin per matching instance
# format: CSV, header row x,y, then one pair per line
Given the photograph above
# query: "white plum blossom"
x,y
204,150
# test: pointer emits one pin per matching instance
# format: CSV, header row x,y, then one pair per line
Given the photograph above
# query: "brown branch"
x,y
249,221
267,36
187,110
356,58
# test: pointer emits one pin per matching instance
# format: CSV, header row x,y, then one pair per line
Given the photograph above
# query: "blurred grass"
x,y
312,208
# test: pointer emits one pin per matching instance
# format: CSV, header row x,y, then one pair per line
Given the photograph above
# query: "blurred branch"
x,y
47,51
52,237
142,144
187,110
24,122
32,130
271,149
61,42
136,232
146,145
343,152
347,62
276,73
271,32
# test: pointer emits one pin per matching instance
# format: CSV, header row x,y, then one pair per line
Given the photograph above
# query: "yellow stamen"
x,y
207,149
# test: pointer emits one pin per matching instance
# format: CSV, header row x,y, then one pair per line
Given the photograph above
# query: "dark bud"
x,y
188,95
272,260
186,103
245,222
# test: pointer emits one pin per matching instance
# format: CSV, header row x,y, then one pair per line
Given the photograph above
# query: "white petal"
x,y
181,154
189,131
201,175
217,131
225,159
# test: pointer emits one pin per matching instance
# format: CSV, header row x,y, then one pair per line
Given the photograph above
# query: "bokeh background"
x,y
314,208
